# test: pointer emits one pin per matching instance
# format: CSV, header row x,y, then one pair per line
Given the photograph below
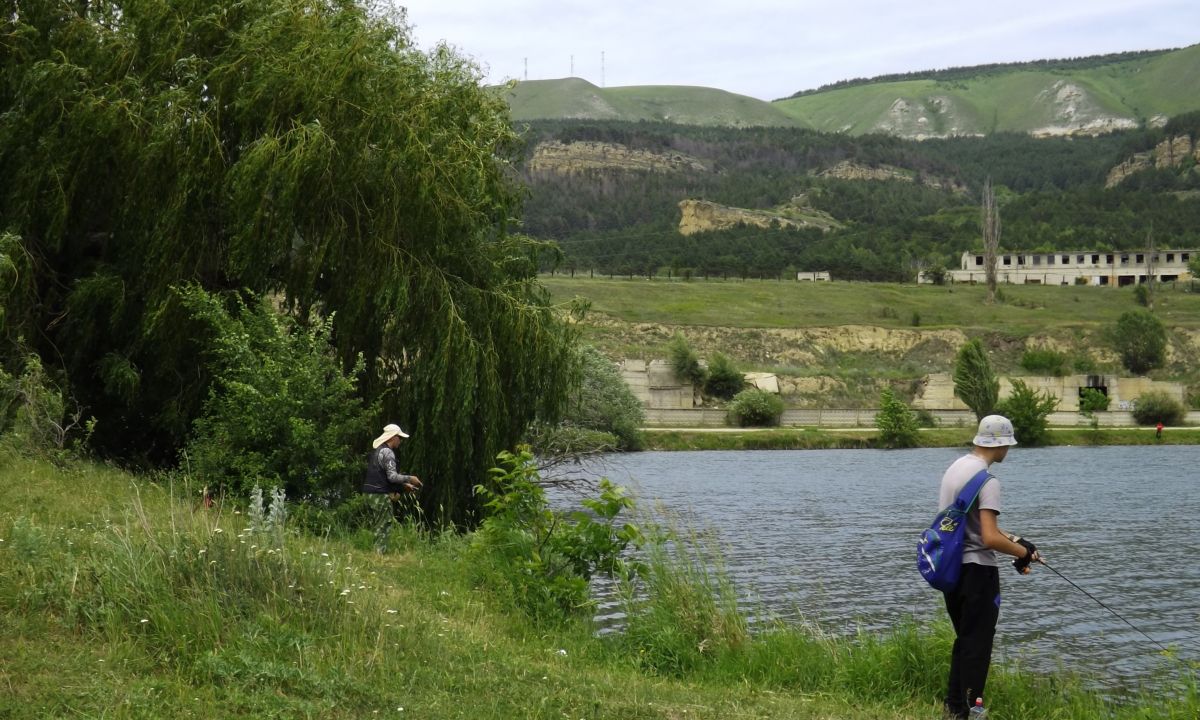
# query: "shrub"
x,y
540,559
1157,407
1141,341
896,422
1044,361
724,379
39,416
1141,294
603,402
281,413
1028,409
684,361
755,408
1092,400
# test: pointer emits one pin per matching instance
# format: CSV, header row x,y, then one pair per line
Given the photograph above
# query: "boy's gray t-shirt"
x,y
957,475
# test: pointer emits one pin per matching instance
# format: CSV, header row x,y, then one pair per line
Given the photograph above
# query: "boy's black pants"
x,y
974,607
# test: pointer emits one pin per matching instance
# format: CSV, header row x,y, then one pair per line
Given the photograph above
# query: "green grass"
x,y
124,598
789,304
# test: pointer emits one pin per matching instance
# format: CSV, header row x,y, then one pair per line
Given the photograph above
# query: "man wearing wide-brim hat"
x,y
382,477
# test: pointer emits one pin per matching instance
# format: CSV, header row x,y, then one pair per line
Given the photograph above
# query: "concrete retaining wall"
x,y
709,418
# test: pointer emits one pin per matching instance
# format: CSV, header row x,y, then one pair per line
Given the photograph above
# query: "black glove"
x,y
1021,565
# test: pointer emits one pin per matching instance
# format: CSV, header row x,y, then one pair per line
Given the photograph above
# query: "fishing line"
x,y
1114,612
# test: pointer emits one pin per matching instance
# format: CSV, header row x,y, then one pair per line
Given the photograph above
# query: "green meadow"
x,y
125,597
1025,309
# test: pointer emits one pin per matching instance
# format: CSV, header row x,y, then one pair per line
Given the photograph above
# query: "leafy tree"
x,y
974,382
299,148
724,379
897,424
1194,266
755,408
1141,340
1028,409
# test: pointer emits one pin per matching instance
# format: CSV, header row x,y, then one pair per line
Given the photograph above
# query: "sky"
x,y
769,49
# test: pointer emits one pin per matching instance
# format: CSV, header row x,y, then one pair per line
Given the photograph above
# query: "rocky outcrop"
x,y
849,170
580,157
1073,111
936,116
702,216
1170,153
796,347
1173,151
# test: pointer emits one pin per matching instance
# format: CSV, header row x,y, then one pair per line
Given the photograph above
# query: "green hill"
x,y
1078,98
1047,98
576,99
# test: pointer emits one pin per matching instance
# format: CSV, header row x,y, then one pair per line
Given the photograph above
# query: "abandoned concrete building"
x,y
1075,267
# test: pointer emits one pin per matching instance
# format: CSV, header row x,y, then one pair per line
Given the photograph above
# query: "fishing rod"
x,y
1106,607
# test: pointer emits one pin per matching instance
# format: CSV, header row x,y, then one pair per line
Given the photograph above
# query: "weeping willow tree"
x,y
301,148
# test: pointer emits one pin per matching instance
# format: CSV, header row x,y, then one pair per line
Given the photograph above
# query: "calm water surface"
x,y
829,536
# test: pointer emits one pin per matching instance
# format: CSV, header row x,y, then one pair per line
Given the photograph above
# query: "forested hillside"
x,y
620,220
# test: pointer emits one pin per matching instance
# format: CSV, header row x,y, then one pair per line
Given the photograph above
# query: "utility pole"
x,y
526,69
602,68
991,238
572,66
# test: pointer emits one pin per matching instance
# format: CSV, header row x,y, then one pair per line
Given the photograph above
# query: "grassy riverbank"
x,y
125,598
863,438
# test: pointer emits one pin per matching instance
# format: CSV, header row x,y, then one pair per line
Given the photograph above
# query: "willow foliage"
x,y
299,148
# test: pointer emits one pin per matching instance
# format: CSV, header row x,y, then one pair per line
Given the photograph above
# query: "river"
x,y
829,536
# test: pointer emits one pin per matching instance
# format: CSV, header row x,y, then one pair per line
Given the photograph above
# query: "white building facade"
x,y
1076,267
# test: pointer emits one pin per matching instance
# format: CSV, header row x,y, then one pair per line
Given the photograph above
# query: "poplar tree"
x,y
974,382
303,149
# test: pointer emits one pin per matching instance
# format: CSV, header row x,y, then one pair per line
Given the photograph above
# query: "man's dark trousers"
x,y
974,607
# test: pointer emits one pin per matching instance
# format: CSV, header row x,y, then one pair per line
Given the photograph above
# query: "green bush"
x,y
684,361
281,412
1092,400
755,408
1141,341
1141,294
540,559
601,401
37,415
1027,409
724,379
896,422
1158,407
1045,362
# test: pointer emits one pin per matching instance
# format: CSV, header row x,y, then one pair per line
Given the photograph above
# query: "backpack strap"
x,y
967,496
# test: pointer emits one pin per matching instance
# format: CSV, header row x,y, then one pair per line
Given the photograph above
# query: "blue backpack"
x,y
940,549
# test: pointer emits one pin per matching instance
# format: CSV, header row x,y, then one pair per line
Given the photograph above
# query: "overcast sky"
x,y
771,48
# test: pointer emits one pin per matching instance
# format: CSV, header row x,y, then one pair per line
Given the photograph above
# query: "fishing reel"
x,y
1021,565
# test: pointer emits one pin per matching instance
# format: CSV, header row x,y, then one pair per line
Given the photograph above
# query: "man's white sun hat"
x,y
995,431
389,432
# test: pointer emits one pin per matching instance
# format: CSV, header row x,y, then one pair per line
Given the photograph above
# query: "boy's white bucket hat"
x,y
995,431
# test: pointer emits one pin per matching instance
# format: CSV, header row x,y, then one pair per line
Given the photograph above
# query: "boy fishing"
x,y
974,603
